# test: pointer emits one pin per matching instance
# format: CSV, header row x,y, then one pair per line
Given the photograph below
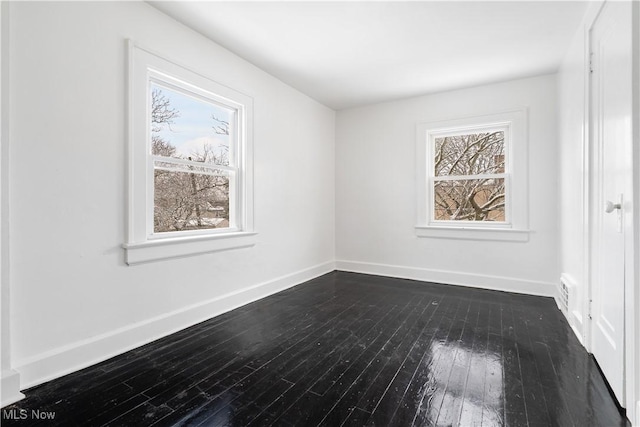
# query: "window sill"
x,y
162,249
474,233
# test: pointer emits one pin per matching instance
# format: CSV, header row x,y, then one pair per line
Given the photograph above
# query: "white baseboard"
x,y
577,325
498,283
79,355
557,300
10,387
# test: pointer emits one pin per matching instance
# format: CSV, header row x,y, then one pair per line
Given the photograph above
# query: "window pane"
x,y
471,154
186,127
190,201
469,200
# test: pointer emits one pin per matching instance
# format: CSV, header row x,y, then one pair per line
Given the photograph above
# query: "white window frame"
x,y
142,243
515,226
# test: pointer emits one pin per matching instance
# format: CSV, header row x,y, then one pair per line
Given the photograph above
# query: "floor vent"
x,y
564,290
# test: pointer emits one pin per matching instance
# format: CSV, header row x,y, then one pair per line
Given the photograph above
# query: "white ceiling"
x,y
346,54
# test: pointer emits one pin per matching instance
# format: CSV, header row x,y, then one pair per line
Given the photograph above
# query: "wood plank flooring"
x,y
346,349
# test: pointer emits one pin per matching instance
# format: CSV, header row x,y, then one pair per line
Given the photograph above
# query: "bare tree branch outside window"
x,y
478,194
187,196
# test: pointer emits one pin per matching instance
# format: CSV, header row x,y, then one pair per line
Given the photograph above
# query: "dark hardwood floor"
x,y
346,349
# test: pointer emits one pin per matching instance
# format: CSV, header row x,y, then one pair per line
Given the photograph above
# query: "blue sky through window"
x,y
194,129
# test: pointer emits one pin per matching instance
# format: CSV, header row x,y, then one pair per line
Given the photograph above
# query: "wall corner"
x,y
10,379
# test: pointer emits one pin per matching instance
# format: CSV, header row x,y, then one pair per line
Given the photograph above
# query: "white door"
x,y
611,136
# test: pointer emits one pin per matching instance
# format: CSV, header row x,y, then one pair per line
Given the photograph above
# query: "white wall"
x,y
376,192
633,387
572,131
73,299
10,380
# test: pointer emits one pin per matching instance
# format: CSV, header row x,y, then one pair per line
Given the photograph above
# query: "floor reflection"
x,y
464,385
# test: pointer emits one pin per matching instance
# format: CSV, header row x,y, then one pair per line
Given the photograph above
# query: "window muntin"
x,y
469,175
193,146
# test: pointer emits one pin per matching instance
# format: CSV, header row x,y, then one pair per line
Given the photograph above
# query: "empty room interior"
x,y
359,213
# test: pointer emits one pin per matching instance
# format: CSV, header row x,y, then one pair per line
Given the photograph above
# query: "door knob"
x,y
609,206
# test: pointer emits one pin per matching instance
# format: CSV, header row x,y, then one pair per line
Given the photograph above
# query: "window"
x,y
469,175
190,170
193,144
473,177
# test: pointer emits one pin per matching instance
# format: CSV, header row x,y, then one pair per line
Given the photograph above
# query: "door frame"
x,y
631,388
633,301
